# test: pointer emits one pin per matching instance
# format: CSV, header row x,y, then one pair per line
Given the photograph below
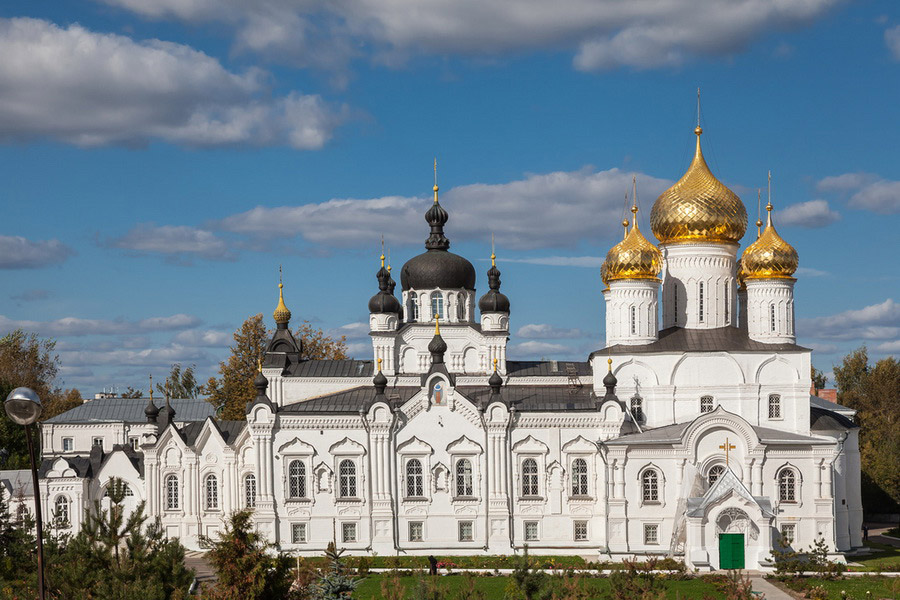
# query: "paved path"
x,y
771,592
203,572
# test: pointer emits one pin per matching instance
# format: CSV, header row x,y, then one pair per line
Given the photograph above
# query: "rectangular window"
x,y
466,531
134,443
727,306
701,301
706,404
633,320
651,533
531,531
68,444
772,316
774,406
581,532
416,531
788,534
348,532
298,533
98,441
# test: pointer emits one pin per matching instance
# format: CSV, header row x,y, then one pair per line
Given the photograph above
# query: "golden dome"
x,y
698,208
634,257
282,315
769,257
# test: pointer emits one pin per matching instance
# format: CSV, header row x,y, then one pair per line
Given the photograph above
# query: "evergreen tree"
x,y
335,583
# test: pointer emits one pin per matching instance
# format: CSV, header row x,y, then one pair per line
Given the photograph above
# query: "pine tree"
x,y
335,583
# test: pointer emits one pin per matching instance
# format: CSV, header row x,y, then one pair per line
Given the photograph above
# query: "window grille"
x,y
706,404
416,531
651,533
464,483
650,485
701,301
466,531
581,531
531,531
297,479
772,316
212,492
298,533
774,406
61,510
172,495
347,478
633,320
637,408
250,491
579,477
415,485
529,477
348,532
714,473
788,534
787,486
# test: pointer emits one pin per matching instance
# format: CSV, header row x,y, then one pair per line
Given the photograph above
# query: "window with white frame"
x,y
437,306
579,477
98,441
297,479
172,493
134,443
416,531
581,531
466,531
529,477
531,531
637,408
460,307
633,320
250,490
347,475
651,533
464,479
61,510
650,486
774,406
715,472
788,534
211,487
413,307
707,404
348,532
701,302
772,316
68,444
298,533
415,479
787,486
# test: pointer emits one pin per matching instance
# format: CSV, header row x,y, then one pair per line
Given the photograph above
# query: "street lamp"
x,y
24,407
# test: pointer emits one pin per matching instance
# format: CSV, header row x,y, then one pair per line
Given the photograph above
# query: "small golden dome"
x,y
282,315
698,208
769,257
634,257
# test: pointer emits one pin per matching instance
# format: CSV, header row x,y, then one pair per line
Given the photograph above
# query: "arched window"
x,y
250,491
172,492
212,492
787,486
297,479
650,485
675,302
437,305
460,307
347,471
464,485
772,316
637,408
727,306
701,302
774,406
579,477
529,477
706,404
633,320
61,510
415,482
715,472
413,307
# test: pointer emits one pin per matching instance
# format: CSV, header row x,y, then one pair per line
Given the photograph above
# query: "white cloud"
x,y
892,346
91,89
824,348
812,214
162,358
869,191
533,350
875,322
178,242
604,33
543,331
78,326
533,212
204,338
17,252
892,39
845,182
352,331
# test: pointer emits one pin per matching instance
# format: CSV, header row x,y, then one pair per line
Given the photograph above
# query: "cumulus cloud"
x,y
205,338
867,191
533,349
543,331
78,326
892,39
17,252
604,33
91,89
875,322
175,241
812,214
162,358
476,211
352,331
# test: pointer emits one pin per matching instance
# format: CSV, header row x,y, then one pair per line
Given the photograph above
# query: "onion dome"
x,y
493,300
262,385
437,268
380,381
496,382
769,257
151,411
384,301
437,346
634,257
281,315
698,208
609,382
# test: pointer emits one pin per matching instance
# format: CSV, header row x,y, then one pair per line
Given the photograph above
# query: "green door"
x,y
731,550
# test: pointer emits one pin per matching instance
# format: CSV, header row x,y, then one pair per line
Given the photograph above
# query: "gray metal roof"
x,y
722,339
348,401
131,410
537,398
827,420
537,368
831,406
668,434
348,367
14,481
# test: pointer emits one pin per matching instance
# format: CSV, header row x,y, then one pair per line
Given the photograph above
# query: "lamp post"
x,y
24,407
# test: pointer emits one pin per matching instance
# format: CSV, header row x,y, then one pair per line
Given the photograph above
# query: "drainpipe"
x,y
392,473
510,488
365,424
841,439
485,473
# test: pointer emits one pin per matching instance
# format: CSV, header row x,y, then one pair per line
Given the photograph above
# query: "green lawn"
x,y
887,558
493,587
856,587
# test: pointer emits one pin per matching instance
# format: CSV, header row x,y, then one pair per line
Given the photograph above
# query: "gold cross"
x,y
726,447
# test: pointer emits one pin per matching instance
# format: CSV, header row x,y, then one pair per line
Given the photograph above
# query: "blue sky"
x,y
161,158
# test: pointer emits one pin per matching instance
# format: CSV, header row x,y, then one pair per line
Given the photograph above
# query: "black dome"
x,y
437,269
382,302
494,301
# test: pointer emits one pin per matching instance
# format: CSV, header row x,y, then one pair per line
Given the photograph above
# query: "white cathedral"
x,y
692,433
